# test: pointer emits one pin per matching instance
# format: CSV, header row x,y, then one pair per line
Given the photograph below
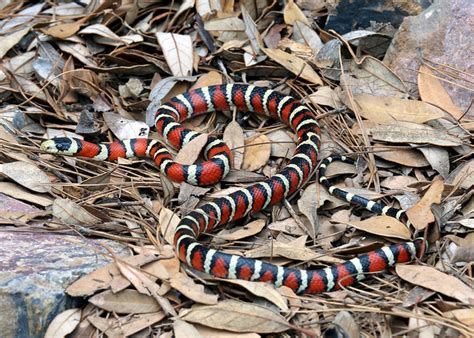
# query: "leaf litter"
x,y
114,62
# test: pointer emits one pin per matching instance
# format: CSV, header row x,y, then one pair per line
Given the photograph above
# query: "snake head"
x,y
60,145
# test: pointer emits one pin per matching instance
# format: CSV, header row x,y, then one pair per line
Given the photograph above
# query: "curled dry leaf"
x,y
178,52
236,316
247,230
234,138
27,175
196,292
64,323
263,290
433,279
383,226
257,152
386,109
432,91
125,301
72,213
420,214
190,152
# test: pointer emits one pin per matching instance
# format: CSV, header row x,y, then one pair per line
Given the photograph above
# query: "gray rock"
x,y
443,33
35,269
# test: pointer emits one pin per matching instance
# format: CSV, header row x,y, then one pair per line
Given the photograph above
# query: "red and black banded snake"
x,y
252,198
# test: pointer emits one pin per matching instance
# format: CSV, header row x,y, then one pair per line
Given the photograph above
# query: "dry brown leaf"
x,y
234,139
208,79
465,316
10,40
145,285
420,214
110,38
236,316
288,226
124,128
190,152
294,64
407,132
406,157
383,226
63,30
64,323
263,290
387,109
13,190
432,91
103,277
325,96
308,207
283,145
257,152
72,213
168,223
346,323
465,250
126,326
27,175
182,329
178,52
433,279
247,230
304,34
126,301
196,292
438,158
209,332
292,13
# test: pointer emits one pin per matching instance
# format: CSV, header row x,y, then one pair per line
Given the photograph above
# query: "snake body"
x,y
252,198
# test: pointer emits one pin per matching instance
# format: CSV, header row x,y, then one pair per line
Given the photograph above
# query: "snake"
x,y
253,198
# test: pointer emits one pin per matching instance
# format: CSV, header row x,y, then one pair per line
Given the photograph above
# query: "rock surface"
x,y
444,34
35,269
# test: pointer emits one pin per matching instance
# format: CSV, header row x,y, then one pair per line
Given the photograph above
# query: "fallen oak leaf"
x,y
420,214
433,279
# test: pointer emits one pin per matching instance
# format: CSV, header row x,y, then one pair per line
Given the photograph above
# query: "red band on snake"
x,y
252,198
